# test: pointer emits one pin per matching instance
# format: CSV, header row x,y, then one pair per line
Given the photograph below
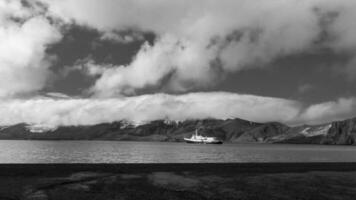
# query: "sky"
x,y
76,62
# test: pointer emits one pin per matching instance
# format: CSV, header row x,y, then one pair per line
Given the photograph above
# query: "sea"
x,y
33,151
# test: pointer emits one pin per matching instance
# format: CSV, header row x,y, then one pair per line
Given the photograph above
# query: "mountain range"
x,y
229,130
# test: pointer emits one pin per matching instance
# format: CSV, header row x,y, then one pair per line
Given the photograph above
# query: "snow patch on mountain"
x,y
171,122
40,128
3,127
311,131
130,124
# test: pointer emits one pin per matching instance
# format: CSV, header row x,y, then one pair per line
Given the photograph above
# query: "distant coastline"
x,y
229,130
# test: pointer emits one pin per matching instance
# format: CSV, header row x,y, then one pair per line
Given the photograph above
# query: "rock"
x,y
37,195
172,180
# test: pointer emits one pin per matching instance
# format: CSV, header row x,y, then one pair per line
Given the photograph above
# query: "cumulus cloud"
x,y
342,28
199,41
24,36
327,111
149,68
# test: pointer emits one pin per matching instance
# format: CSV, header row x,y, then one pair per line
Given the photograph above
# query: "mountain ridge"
x,y
229,130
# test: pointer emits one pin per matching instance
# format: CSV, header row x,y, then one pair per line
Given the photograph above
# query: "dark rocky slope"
x,y
230,130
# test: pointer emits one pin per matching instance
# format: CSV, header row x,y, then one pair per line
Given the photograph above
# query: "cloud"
x,y
198,42
53,110
221,105
123,38
327,111
24,36
57,95
149,68
342,28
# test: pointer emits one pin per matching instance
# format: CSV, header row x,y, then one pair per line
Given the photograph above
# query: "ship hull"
x,y
202,142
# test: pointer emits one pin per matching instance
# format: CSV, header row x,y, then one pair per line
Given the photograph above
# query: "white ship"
x,y
196,138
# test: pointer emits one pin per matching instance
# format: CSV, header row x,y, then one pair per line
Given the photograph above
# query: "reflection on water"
x,y
21,151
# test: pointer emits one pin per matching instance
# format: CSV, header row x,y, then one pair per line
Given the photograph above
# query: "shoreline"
x,y
234,168
160,141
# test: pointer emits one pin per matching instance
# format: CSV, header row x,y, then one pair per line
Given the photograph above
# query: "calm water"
x,y
12,151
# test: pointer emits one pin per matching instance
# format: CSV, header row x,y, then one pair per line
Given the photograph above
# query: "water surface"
x,y
28,151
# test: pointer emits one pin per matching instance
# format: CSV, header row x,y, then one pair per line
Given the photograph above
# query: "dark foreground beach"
x,y
178,181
